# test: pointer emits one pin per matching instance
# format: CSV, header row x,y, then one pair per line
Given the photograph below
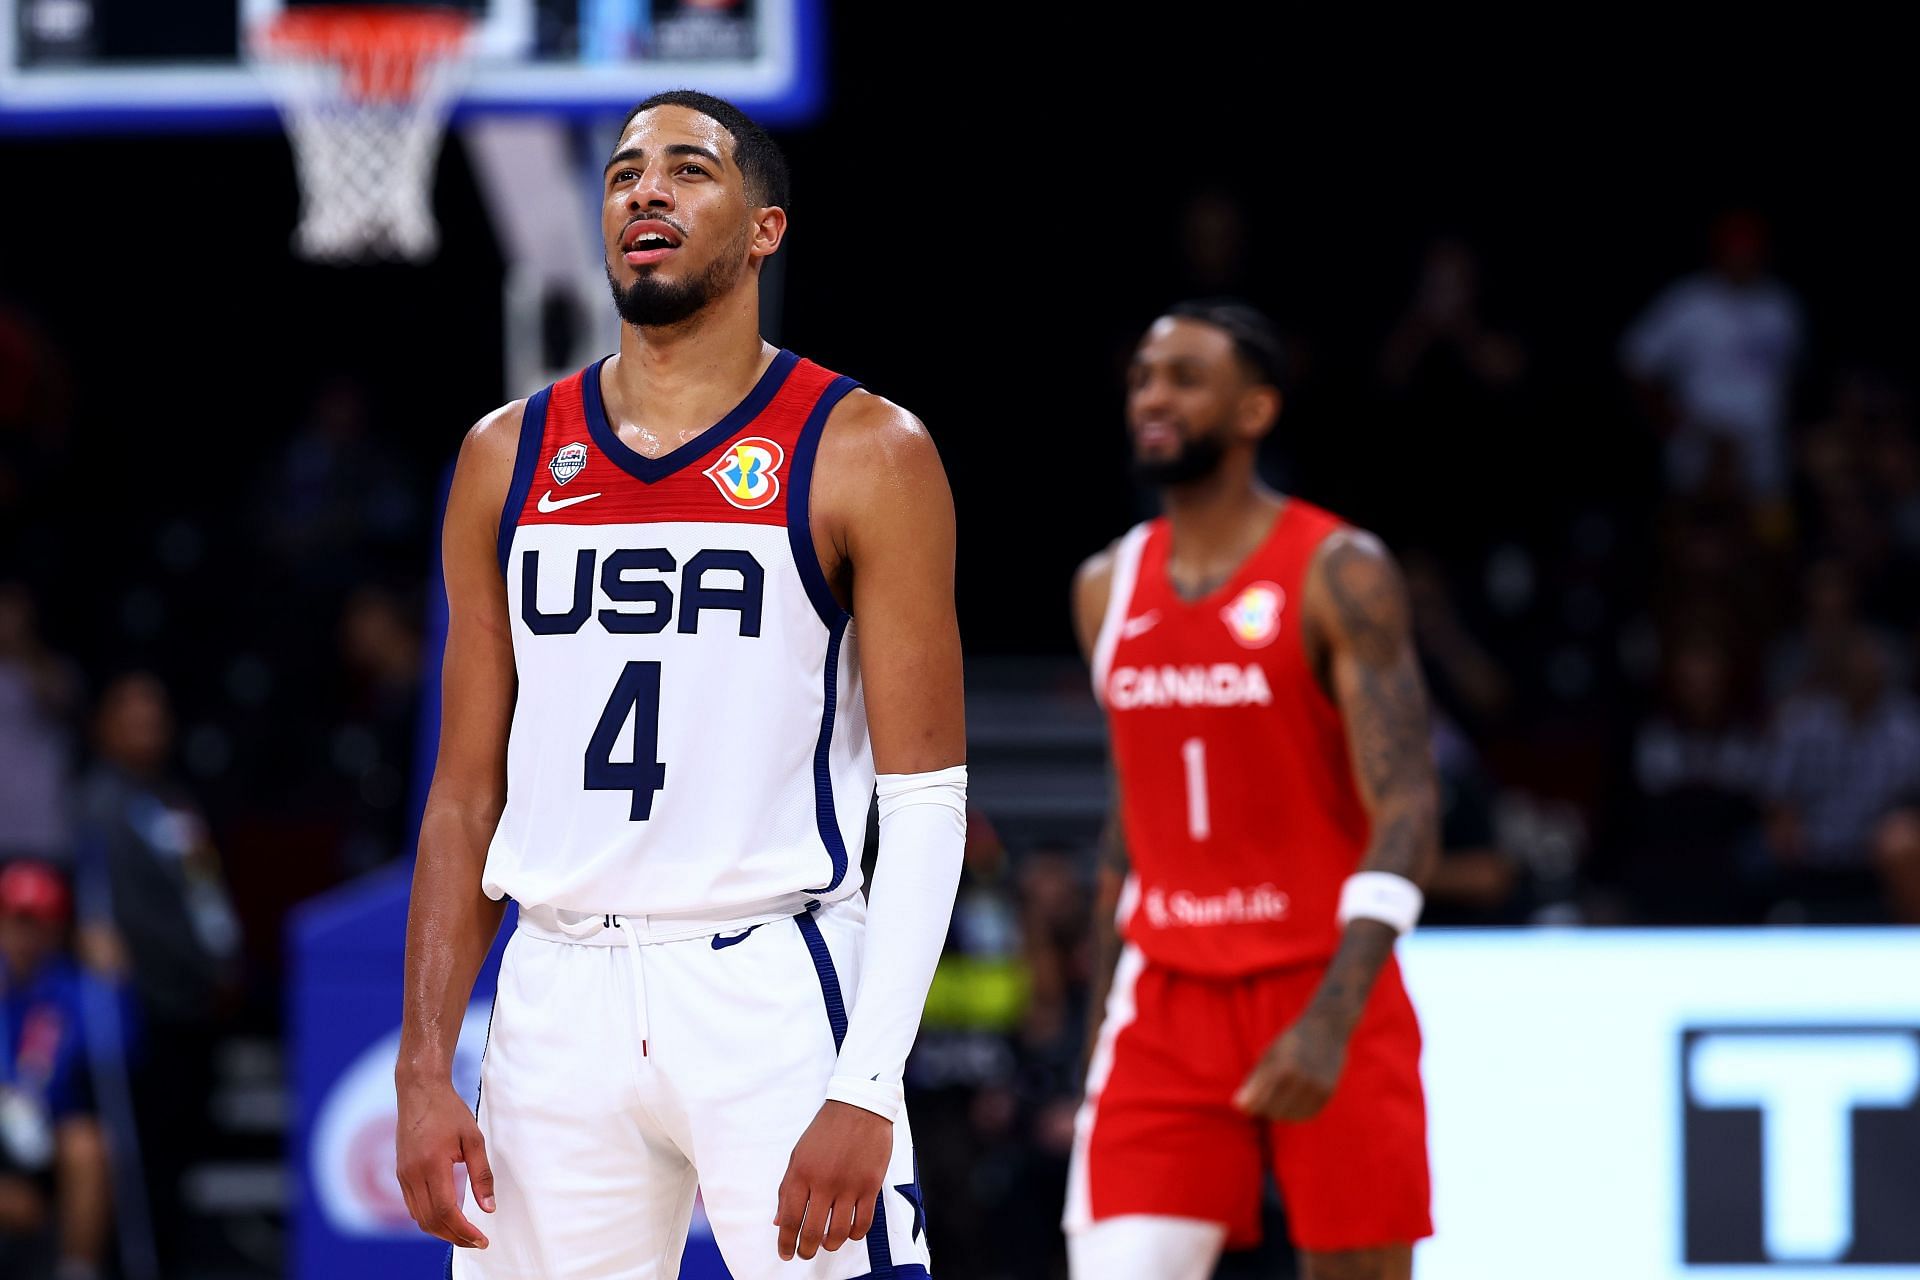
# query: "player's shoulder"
x,y
498,431
871,427
1349,548
484,470
875,457
1093,584
1095,573
1094,577
1355,583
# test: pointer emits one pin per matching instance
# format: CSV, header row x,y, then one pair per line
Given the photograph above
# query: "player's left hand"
x,y
1296,1076
833,1180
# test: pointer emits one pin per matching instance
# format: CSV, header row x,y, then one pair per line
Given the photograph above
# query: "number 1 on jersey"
x,y
1194,752
637,690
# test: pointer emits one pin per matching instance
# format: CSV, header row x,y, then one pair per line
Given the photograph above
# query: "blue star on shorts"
x,y
910,1192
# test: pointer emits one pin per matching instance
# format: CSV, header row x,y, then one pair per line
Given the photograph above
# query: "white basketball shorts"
x,y
622,1074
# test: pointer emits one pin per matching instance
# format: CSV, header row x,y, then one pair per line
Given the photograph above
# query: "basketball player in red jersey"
x,y
694,992
1277,810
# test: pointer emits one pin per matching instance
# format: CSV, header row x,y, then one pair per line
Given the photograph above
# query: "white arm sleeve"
x,y
923,829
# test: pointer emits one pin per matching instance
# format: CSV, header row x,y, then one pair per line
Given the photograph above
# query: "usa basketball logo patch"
x,y
745,473
1253,617
567,463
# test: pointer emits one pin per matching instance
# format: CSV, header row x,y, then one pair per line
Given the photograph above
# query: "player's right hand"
x,y
1295,1078
436,1132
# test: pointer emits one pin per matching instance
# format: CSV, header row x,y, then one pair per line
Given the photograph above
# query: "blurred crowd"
x,y
1717,674
136,757
1691,701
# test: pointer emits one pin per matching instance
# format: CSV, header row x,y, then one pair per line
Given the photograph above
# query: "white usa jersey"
x,y
689,734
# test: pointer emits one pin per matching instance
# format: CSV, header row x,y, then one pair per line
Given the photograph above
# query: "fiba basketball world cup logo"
x,y
744,473
1253,616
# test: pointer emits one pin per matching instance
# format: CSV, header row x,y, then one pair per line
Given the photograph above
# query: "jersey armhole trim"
x,y
1126,573
826,818
533,428
800,500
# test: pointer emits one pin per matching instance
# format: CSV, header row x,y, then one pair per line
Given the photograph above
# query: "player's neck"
x,y
683,378
1220,514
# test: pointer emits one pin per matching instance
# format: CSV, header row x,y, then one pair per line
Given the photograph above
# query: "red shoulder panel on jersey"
x,y
736,472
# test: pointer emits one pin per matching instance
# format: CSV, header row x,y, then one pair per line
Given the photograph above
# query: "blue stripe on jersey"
x,y
533,427
648,470
879,1247
829,980
823,813
800,502
806,561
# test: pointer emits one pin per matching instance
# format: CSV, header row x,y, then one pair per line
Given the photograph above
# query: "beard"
x,y
1199,457
651,302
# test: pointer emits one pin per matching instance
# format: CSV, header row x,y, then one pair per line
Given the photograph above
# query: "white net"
x,y
365,95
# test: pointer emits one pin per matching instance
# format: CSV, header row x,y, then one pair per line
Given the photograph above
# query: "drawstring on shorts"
x,y
592,925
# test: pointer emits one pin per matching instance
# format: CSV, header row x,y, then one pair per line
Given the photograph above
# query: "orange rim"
x,y
381,50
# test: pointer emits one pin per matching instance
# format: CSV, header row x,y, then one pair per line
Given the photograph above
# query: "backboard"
x,y
81,65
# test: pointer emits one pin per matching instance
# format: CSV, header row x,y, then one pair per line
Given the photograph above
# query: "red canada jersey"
x,y
1238,802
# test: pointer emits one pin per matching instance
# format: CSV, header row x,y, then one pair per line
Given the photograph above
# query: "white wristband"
x,y
882,1097
1380,895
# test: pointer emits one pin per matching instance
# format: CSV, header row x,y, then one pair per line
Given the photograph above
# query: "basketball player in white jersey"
x,y
701,592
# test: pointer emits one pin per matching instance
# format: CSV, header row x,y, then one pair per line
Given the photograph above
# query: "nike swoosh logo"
x,y
721,940
1139,626
549,504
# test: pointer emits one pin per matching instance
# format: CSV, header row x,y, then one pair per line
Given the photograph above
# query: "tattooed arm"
x,y
1360,635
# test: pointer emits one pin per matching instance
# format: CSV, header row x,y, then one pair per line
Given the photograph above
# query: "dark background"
x,y
981,236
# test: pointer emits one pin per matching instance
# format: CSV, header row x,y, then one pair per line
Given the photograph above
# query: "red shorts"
x,y
1159,1133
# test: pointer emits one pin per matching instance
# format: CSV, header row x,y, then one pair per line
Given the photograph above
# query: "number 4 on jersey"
x,y
637,691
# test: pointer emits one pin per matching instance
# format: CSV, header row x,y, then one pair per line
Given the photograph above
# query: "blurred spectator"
x,y
965,1070
1476,882
54,1177
338,496
1893,457
1841,761
145,849
39,692
372,745
1453,381
1693,825
1713,358
1214,238
1053,896
35,400
982,984
1861,466
1459,669
1715,573
1442,337
1812,658
1896,856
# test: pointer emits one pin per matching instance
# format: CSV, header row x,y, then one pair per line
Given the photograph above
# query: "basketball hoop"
x,y
365,93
